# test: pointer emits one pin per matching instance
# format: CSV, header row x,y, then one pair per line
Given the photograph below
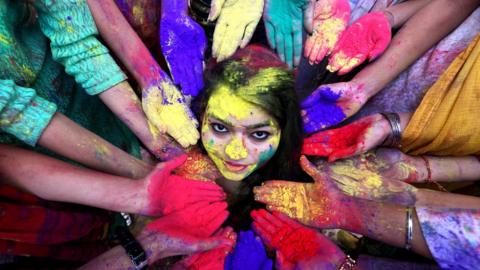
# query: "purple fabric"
x,y
453,236
183,44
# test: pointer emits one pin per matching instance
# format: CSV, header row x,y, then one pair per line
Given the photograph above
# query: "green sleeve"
x,y
23,114
70,27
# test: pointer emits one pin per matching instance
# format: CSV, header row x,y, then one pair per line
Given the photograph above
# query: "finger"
x,y
247,36
216,222
289,49
297,46
287,220
215,9
309,44
317,48
263,234
231,42
308,167
351,64
334,62
273,220
322,52
270,30
218,37
280,40
259,219
173,163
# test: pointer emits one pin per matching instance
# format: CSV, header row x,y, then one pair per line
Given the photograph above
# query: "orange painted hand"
x,y
350,140
237,20
330,19
168,111
366,38
314,204
379,176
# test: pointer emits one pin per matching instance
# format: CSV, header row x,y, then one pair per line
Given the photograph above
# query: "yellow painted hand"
x,y
167,110
237,20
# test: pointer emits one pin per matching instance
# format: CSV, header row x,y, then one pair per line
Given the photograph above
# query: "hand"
x,y
162,238
296,246
350,140
167,110
314,204
213,259
283,24
330,104
168,193
379,176
330,18
368,37
249,253
183,44
237,20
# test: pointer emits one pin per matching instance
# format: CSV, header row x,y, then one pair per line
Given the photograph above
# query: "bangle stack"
x,y
348,264
395,137
409,235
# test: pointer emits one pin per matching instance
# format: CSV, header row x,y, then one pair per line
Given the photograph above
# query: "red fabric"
x,y
31,226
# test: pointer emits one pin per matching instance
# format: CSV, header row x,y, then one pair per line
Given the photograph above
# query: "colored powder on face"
x,y
198,167
235,150
224,104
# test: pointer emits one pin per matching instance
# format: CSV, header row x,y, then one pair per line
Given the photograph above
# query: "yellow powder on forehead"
x,y
224,103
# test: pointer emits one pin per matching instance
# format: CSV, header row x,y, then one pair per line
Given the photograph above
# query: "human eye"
x,y
219,128
260,135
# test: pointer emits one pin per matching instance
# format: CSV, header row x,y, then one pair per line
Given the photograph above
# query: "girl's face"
x,y
238,136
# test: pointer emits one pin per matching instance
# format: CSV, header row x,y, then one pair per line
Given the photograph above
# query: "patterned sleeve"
x,y
22,113
452,235
70,27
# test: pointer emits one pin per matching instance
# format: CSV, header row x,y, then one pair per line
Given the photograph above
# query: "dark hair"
x,y
256,75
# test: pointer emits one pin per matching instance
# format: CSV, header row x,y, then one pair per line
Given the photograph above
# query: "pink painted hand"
x,y
213,259
352,139
381,175
330,18
366,38
318,204
296,246
172,234
330,104
167,193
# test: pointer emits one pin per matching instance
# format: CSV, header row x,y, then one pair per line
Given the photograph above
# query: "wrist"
x,y
389,17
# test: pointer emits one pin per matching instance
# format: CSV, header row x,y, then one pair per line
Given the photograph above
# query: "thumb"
x,y
170,165
308,167
308,16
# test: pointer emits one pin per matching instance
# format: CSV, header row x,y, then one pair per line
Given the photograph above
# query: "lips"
x,y
235,167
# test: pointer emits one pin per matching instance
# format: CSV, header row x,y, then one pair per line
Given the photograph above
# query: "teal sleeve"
x,y
70,27
23,114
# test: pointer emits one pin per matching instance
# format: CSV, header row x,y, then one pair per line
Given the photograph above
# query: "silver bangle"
x,y
394,138
409,237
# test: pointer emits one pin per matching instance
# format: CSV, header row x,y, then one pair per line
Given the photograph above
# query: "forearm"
x,y
447,169
424,29
427,197
70,140
126,44
125,104
386,223
55,180
402,12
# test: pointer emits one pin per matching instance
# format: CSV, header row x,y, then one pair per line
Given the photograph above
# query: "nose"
x,y
235,149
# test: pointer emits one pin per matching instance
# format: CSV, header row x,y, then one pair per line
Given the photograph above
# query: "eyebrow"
x,y
265,123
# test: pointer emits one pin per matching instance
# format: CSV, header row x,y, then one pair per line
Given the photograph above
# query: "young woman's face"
x,y
238,136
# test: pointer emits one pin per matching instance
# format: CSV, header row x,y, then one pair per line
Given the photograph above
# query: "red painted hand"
x,y
168,193
213,259
330,18
296,246
366,38
353,139
198,220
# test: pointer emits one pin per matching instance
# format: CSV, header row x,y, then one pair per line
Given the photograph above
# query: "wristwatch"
x,y
132,247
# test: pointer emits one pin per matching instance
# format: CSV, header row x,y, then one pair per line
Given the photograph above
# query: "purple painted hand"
x,y
249,253
331,104
183,44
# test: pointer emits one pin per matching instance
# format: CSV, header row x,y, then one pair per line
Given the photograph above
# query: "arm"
x,y
399,14
428,26
67,138
55,180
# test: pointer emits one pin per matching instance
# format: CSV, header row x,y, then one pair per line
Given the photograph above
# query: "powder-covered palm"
x,y
249,253
183,44
168,111
237,20
330,19
283,24
330,104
